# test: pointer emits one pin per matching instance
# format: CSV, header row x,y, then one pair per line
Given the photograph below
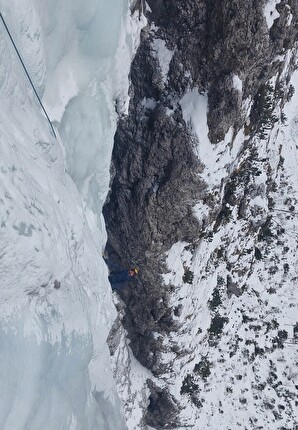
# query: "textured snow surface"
x,y
164,56
55,303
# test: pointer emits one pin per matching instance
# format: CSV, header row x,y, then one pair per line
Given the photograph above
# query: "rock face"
x,y
226,51
162,409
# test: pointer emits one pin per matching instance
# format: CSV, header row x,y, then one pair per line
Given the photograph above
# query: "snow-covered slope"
x,y
239,306
55,301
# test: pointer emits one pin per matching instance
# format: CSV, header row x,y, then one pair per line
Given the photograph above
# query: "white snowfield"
x,y
55,300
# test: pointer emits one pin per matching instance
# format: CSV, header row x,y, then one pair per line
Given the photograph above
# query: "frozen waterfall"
x,y
55,301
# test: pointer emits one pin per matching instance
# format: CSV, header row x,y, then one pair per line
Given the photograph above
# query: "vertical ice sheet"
x,y
55,301
45,385
88,36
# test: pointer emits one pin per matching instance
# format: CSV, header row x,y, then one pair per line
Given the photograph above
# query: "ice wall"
x,y
84,85
55,301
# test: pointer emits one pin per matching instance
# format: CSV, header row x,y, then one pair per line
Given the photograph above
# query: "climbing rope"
x,y
27,74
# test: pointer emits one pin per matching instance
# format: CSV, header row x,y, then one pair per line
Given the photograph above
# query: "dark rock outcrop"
x,y
163,409
156,185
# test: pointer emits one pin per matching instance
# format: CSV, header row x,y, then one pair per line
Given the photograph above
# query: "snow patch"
x,y
149,104
201,211
169,112
290,16
270,12
215,157
194,110
177,258
164,56
237,82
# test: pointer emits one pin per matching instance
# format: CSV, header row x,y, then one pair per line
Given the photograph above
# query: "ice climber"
x,y
118,280
118,277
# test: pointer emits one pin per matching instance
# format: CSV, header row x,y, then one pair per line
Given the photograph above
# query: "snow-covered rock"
x,y
206,190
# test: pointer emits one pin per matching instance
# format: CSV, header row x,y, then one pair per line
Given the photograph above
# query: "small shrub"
x,y
283,118
262,115
286,268
279,340
282,334
225,215
258,254
188,275
246,319
209,236
291,92
220,253
272,270
203,368
265,233
296,331
259,351
57,284
217,324
261,386
216,300
274,324
256,327
220,281
269,405
196,401
188,385
191,247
